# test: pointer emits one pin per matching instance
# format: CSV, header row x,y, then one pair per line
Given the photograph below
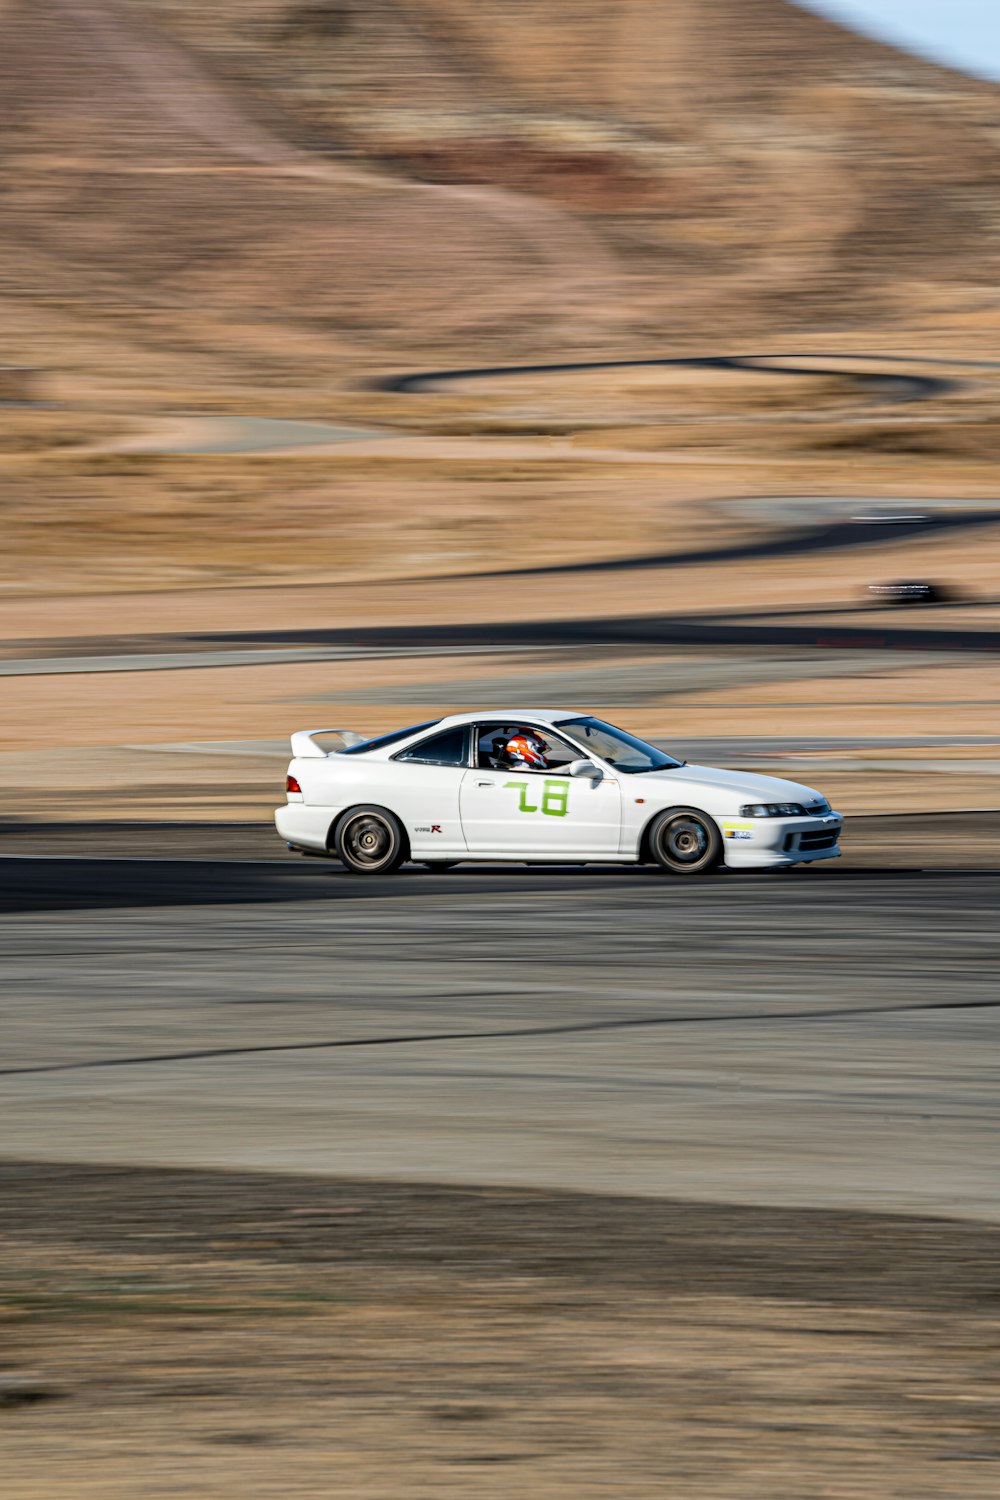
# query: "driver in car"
x,y
527,751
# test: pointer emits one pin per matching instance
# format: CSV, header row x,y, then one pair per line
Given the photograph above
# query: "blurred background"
x,y
340,317
367,360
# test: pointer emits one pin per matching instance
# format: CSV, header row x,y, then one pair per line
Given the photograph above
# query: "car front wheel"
x,y
685,842
370,841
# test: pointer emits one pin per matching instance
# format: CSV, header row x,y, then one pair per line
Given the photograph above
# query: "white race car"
x,y
450,790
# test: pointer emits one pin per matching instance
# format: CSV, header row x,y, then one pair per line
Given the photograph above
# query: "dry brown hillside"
x,y
255,206
477,176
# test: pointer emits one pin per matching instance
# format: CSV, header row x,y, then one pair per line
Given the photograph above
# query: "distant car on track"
x,y
890,518
460,788
908,591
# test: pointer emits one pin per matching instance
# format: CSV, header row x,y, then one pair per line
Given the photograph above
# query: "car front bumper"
x,y
765,843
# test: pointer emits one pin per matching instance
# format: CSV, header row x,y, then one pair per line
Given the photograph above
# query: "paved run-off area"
x,y
825,1037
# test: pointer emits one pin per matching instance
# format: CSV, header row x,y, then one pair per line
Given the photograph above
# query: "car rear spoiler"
x,y
304,746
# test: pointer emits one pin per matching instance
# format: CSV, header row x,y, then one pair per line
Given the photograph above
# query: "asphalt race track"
x,y
890,386
841,534
826,1037
632,630
271,646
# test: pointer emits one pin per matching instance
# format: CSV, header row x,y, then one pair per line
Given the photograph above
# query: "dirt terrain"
x,y
261,209
245,1336
595,169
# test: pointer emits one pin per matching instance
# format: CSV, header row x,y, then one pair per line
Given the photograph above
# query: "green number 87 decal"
x,y
555,798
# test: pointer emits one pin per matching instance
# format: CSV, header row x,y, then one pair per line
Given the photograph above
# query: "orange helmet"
x,y
527,749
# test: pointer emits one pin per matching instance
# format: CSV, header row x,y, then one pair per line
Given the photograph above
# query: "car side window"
x,y
560,754
448,749
492,740
489,749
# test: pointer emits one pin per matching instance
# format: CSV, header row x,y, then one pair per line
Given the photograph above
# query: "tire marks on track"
x,y
518,1033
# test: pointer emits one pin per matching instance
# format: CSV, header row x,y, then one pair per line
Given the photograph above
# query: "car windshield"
x,y
387,739
621,750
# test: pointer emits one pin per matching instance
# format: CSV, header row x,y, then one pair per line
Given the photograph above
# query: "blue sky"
x,y
962,33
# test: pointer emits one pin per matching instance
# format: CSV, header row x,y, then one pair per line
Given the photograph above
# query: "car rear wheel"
x,y
370,841
685,842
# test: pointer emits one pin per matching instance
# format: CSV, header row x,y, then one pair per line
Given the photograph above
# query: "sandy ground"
x,y
115,744
375,541
243,1337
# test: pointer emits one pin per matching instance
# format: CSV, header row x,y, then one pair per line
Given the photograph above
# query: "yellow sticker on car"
x,y
737,831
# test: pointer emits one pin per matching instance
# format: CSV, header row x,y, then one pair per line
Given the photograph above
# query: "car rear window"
x,y
451,748
388,739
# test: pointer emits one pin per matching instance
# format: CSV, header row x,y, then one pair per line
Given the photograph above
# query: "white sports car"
x,y
449,790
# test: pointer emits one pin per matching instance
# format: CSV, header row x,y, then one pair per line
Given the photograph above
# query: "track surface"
x,y
252,647
836,537
646,630
892,387
825,1038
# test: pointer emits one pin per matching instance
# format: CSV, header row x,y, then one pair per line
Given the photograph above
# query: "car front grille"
x,y
810,842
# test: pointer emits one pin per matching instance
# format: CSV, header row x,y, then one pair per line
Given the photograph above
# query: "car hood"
x,y
742,785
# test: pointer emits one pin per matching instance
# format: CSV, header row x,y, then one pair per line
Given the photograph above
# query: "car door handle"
x,y
485,783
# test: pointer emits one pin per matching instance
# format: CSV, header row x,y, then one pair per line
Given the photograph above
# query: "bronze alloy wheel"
x,y
370,841
685,842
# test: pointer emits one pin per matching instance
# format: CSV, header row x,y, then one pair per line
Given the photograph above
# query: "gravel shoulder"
x,y
265,1335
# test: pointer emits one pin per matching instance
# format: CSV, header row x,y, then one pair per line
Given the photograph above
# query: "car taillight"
x,y
291,785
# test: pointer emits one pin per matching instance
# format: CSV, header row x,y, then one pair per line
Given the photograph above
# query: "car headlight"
x,y
773,810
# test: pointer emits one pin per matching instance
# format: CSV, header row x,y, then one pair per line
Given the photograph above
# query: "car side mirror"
x,y
584,768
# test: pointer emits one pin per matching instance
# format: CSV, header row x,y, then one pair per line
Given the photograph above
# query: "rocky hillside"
x,y
487,174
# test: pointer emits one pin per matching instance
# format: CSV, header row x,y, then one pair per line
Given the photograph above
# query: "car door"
x,y
425,781
545,814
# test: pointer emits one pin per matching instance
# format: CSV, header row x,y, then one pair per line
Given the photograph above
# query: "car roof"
x,y
513,716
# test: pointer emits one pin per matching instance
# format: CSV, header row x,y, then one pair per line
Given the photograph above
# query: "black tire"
x,y
370,841
439,866
685,842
